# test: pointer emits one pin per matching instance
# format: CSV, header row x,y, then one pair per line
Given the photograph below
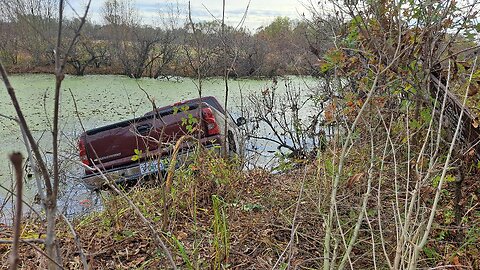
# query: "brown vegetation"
x,y
395,186
259,208
123,45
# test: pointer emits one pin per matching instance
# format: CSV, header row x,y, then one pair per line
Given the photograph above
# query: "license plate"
x,y
150,167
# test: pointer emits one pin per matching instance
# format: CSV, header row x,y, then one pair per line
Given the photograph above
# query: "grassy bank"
x,y
216,216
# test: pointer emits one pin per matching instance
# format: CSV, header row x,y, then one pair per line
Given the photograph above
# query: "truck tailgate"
x,y
120,140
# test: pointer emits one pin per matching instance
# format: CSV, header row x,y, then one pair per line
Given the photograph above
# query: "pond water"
x,y
93,101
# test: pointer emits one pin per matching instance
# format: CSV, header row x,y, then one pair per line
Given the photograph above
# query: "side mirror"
x,y
241,121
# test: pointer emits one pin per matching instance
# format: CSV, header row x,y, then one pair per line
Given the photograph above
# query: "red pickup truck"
x,y
130,150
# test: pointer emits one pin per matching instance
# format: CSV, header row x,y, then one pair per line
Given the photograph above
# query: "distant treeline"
x,y
174,47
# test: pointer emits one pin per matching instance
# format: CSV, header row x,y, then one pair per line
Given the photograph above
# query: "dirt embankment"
x,y
250,225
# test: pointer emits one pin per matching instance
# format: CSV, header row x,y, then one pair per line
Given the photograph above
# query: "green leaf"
x,y
183,252
449,178
325,67
426,115
476,75
191,119
414,124
137,156
430,252
175,110
410,89
128,233
436,181
329,167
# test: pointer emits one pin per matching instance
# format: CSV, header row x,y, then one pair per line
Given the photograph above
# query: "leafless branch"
x,y
23,240
293,228
156,236
77,242
24,126
17,159
137,211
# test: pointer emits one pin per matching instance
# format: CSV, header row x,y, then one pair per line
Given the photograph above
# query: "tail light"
x,y
83,152
211,123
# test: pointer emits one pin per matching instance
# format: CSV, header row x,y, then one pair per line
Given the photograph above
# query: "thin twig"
x,y
294,226
17,159
426,232
77,242
137,211
22,240
24,126
366,196
25,202
156,236
44,254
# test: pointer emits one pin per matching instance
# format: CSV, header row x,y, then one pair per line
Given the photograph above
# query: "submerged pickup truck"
x,y
130,150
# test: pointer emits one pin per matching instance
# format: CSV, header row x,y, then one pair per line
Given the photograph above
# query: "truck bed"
x,y
124,151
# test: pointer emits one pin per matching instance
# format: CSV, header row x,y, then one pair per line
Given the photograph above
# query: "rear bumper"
x,y
131,173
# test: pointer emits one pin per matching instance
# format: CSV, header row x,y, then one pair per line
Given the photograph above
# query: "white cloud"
x,y
261,12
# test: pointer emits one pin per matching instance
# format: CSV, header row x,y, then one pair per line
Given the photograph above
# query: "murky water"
x,y
92,101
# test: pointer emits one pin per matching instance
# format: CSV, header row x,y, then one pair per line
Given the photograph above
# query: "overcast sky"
x,y
261,12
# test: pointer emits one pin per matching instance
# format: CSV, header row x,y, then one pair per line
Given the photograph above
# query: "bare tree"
x,y
10,47
166,50
133,43
51,181
88,51
35,23
17,159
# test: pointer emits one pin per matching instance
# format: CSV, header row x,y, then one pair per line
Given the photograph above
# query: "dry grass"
x,y
259,208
